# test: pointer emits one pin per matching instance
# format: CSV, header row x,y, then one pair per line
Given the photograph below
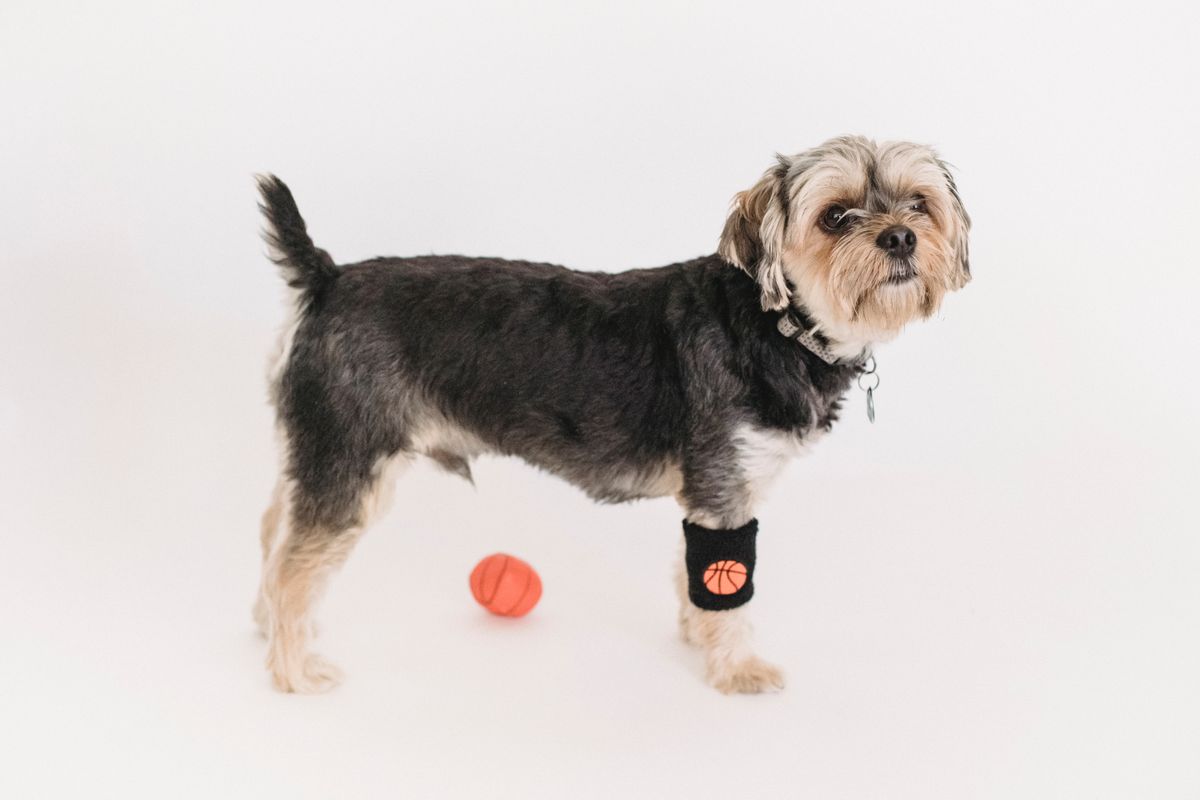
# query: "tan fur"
x,y
270,528
753,238
270,520
724,636
296,567
841,280
294,577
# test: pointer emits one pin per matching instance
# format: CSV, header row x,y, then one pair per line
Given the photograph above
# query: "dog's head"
x,y
865,237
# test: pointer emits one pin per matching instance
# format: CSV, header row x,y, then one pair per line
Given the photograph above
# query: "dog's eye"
x,y
918,205
835,218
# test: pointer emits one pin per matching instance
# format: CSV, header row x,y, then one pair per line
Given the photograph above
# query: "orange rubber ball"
x,y
506,585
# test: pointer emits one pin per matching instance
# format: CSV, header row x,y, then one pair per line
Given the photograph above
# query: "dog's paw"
x,y
316,676
748,676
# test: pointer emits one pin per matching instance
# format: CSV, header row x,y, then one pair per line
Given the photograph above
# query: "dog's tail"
x,y
306,267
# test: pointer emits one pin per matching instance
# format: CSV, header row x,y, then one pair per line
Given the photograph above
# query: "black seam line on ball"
x,y
706,546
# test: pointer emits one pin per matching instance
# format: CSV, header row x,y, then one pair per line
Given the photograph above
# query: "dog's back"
x,y
448,357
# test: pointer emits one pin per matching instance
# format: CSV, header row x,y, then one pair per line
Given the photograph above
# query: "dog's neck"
x,y
798,323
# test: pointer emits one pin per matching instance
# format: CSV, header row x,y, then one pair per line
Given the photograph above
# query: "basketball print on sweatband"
x,y
725,577
720,565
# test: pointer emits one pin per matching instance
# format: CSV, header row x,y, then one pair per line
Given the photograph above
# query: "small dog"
x,y
697,380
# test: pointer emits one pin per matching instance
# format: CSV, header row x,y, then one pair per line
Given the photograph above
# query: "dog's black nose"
x,y
898,240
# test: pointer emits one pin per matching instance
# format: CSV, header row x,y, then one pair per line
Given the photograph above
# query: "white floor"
x,y
1025,630
990,593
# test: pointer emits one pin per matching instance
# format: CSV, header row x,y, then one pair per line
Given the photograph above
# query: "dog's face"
x,y
866,237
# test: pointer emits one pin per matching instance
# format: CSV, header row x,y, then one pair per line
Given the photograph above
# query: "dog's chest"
x,y
800,408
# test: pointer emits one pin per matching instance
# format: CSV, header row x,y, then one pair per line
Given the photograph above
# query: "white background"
x,y
991,593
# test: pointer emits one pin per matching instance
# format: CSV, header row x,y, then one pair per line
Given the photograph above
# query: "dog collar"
x,y
793,328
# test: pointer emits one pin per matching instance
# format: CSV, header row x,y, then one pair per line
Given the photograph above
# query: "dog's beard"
x,y
858,287
891,305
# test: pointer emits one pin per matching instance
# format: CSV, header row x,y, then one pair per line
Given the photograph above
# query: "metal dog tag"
x,y
869,373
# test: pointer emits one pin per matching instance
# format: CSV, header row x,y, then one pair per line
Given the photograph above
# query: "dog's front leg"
x,y
715,581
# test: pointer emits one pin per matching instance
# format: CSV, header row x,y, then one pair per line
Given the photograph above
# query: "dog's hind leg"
x,y
307,550
269,530
295,576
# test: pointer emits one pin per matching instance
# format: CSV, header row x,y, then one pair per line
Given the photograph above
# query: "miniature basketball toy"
x,y
506,585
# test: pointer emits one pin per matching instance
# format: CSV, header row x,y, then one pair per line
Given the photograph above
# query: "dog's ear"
x,y
753,235
959,226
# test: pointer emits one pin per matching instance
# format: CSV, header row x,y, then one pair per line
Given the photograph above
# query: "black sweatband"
x,y
720,565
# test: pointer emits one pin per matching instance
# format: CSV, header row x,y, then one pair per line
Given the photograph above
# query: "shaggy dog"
x,y
697,380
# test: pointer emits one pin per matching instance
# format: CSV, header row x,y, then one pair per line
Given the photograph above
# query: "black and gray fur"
x,y
668,381
604,379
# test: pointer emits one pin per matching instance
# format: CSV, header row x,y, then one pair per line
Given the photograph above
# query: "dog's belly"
x,y
453,446
661,480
